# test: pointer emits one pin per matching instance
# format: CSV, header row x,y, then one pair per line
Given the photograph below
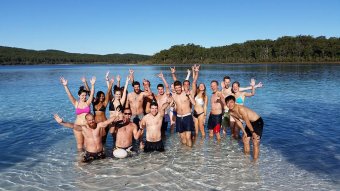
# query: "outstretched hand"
x,y
93,80
173,70
259,85
57,118
118,78
63,81
161,75
107,75
83,79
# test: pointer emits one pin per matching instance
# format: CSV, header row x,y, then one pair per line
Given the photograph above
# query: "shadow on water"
x,y
308,142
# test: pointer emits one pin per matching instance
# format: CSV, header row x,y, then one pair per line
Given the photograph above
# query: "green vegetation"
x,y
10,56
284,49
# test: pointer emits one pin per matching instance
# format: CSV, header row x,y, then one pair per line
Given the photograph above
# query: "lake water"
x,y
300,147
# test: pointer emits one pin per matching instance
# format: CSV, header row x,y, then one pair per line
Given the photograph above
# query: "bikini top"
x,y
118,108
239,100
83,110
199,100
102,108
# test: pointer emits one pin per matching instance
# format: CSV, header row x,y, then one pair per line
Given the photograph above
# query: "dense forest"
x,y
10,56
284,49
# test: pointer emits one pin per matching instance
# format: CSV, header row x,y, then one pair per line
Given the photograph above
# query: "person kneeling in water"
x,y
92,132
125,130
152,122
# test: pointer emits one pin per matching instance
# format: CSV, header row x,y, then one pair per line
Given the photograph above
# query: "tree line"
x,y
284,49
20,56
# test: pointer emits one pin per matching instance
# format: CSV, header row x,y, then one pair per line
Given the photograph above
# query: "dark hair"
x,y
214,81
153,103
82,89
135,83
228,98
204,91
160,85
177,83
97,97
147,81
116,88
236,82
186,81
226,77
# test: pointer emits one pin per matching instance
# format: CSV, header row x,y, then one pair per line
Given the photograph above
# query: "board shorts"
x,y
184,123
93,156
136,119
154,146
214,122
258,128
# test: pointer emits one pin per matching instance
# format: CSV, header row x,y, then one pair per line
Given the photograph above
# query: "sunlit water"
x,y
299,150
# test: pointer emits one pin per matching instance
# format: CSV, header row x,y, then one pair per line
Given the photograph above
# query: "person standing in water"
x,y
82,107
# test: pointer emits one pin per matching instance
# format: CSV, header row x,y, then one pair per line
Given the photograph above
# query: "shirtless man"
x,y
184,120
186,82
125,131
254,125
161,98
92,132
152,123
215,117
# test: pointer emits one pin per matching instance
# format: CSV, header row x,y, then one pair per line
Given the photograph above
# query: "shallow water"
x,y
299,149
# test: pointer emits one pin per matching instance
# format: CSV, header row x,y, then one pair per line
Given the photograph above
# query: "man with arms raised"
x,y
125,131
184,120
152,122
93,133
254,125
161,98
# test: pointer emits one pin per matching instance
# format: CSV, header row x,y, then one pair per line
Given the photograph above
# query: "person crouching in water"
x,y
92,132
152,123
254,125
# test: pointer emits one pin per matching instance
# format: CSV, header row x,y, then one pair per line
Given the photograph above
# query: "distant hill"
x,y
284,49
296,49
10,56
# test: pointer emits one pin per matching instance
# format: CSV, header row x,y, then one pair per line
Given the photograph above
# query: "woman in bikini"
x,y
200,109
240,97
82,107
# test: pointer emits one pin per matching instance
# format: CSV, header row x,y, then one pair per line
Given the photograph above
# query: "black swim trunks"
x,y
184,123
214,120
93,156
258,127
154,146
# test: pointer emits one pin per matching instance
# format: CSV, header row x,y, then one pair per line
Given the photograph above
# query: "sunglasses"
x,y
127,113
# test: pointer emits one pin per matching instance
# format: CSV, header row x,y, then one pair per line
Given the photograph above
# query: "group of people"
x,y
184,106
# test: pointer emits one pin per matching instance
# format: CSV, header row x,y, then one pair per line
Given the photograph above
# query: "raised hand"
x,y
222,85
57,118
259,85
118,78
63,81
83,79
252,82
131,71
107,75
112,80
161,75
173,70
93,80
197,68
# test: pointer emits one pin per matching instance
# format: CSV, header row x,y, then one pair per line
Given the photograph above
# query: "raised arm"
x,y
67,124
123,99
92,81
167,90
108,93
252,93
195,70
165,105
192,100
188,75
107,78
259,85
173,73
132,77
83,79
70,96
112,119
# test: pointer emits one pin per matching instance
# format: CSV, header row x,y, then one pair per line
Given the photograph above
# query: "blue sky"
x,y
149,26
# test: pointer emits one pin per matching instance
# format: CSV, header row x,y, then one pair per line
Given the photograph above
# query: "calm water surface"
x,y
300,148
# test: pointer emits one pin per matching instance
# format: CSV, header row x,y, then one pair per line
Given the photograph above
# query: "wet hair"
x,y
214,81
147,81
177,83
226,77
160,85
228,98
186,81
135,83
204,91
116,88
236,82
82,90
